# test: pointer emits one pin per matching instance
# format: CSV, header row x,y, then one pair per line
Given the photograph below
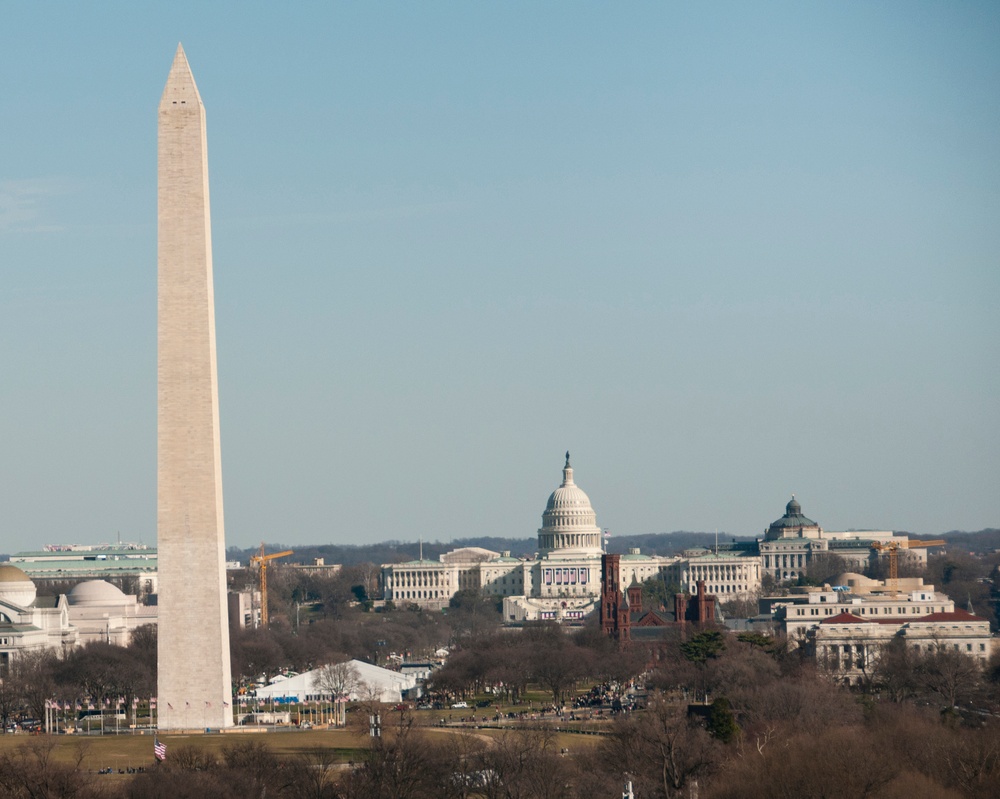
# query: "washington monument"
x,y
194,682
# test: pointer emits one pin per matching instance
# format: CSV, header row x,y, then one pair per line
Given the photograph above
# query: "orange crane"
x,y
893,547
262,560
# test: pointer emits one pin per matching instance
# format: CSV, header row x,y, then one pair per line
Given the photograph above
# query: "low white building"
x,y
372,683
849,645
804,608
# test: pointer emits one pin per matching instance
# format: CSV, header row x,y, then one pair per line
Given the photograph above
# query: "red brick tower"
x,y
614,606
699,609
634,594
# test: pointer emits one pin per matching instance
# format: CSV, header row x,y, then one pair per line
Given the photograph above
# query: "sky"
x,y
720,252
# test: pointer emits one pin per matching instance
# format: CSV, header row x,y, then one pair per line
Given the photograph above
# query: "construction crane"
x,y
893,547
262,560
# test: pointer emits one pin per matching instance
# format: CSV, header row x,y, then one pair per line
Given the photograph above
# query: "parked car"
x,y
459,705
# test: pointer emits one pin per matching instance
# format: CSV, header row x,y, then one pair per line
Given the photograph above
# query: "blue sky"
x,y
721,252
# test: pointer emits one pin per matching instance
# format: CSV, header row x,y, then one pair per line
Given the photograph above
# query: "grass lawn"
x,y
564,740
96,752
123,751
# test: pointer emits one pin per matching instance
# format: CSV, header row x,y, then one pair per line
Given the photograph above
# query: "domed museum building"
x,y
92,611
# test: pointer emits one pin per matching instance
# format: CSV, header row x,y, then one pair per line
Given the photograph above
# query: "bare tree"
x,y
660,749
824,566
952,676
313,775
895,670
524,765
824,764
10,699
32,674
106,673
340,680
34,770
400,765
369,574
555,660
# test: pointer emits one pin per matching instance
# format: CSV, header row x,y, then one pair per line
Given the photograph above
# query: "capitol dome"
x,y
96,592
569,522
16,586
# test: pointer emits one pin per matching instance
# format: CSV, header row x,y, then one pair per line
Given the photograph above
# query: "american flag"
x,y
159,749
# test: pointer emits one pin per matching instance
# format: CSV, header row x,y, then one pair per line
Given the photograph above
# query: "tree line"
x,y
768,725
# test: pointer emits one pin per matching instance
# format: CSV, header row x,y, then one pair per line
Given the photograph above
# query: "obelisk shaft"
x,y
194,678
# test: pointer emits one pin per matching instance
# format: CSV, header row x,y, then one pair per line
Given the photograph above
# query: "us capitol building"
x,y
562,581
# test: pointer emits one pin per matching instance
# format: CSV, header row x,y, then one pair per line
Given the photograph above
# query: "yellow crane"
x,y
893,547
262,560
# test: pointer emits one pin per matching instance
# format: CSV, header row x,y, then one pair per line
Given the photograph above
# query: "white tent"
x,y
375,683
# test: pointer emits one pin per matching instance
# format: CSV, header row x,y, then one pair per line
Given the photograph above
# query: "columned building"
x,y
728,575
850,646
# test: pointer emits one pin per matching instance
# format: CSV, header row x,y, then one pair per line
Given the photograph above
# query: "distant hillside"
x,y
980,542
